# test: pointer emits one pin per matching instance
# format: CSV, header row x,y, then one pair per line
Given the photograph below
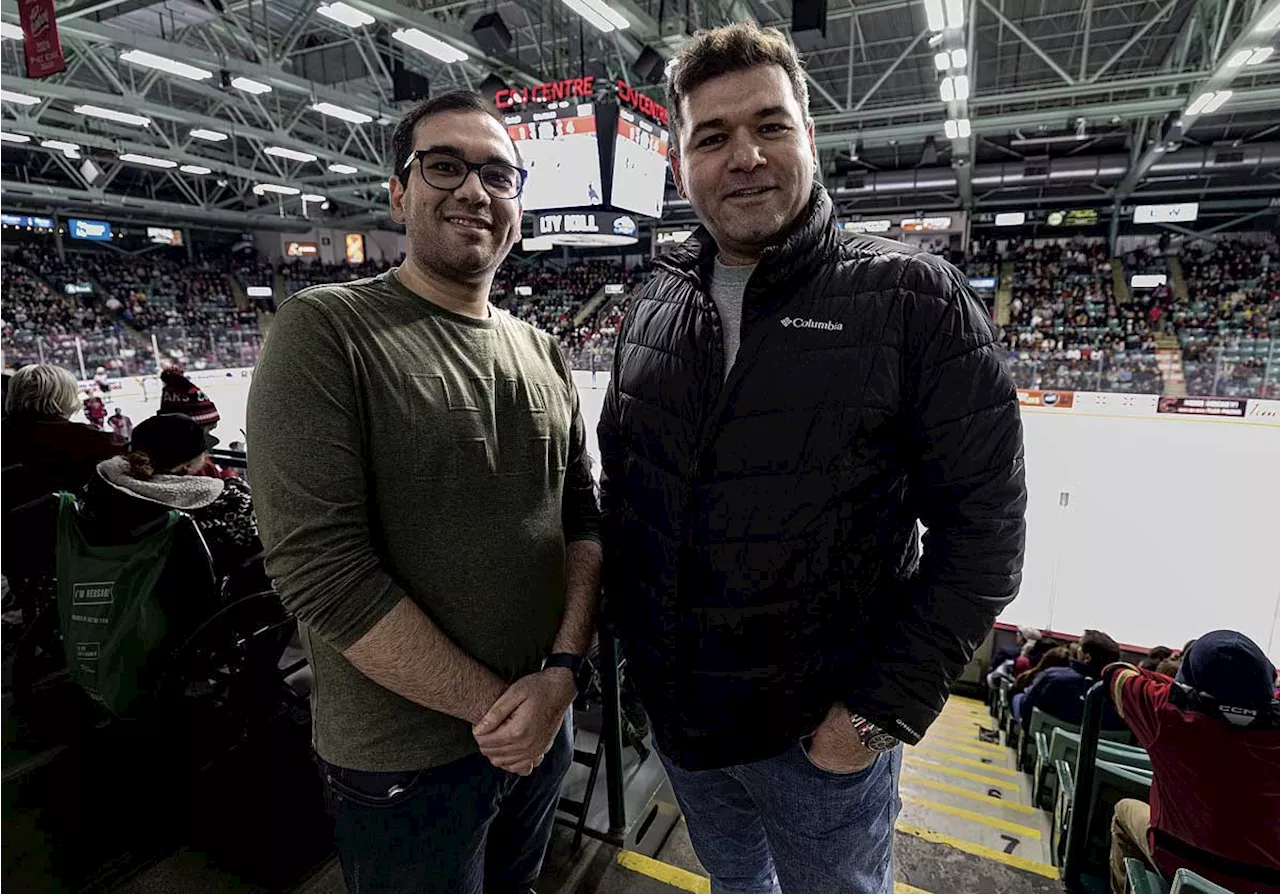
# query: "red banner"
x,y
40,38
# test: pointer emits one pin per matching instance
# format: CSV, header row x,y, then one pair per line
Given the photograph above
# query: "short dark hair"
x,y
719,51
1102,649
453,101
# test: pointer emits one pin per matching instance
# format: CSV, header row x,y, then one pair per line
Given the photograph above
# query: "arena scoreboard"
x,y
640,158
559,149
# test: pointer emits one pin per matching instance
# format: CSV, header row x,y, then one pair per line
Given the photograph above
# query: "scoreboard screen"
x,y
639,165
559,149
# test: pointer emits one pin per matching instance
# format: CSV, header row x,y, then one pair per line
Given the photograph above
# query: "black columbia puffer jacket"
x,y
761,551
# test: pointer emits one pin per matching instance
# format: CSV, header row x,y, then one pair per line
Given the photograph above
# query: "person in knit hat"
x,y
180,395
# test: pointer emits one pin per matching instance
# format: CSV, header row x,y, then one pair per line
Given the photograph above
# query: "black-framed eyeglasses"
x,y
444,170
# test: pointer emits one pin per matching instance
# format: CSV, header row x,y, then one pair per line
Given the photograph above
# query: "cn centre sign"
x,y
580,88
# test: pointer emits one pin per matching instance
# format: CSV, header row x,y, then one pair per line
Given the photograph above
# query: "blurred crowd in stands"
x,y
1073,322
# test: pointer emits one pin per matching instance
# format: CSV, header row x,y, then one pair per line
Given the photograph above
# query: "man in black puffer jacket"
x,y
787,402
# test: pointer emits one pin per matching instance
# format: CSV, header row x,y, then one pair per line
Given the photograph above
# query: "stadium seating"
x,y
1066,330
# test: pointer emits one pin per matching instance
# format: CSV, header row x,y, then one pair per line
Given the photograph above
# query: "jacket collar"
x,y
806,243
186,492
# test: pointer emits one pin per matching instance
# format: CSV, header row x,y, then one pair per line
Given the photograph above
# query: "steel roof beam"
x,y
267,74
393,13
1260,99
1031,44
144,106
1221,77
20,194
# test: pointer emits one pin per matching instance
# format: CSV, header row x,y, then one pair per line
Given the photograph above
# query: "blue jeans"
x,y
463,828
786,825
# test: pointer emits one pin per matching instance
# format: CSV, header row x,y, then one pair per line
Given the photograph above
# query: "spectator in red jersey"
x,y
1214,739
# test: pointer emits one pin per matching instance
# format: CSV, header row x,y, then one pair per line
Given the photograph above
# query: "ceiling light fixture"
x,y
1217,102
113,115
14,137
1260,55
1200,102
947,89
959,58
195,169
337,111
599,15
213,136
312,197
933,13
293,154
338,168
966,129
70,150
942,61
955,13
168,66
1239,58
261,188
951,129
249,85
149,160
22,99
962,88
345,15
10,31
433,47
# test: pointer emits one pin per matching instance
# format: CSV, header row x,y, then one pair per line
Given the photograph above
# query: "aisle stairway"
x,y
1178,280
1169,359
967,825
1004,293
591,306
1119,284
239,297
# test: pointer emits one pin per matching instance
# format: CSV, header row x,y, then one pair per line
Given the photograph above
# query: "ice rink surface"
x,y
1154,529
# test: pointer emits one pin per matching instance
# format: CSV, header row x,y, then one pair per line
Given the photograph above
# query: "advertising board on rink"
x,y
1032,398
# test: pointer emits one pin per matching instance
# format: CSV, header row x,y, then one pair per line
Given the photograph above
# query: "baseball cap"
x,y
170,439
1230,667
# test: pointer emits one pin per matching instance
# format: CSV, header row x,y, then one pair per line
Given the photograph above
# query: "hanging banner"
x,y
355,248
40,41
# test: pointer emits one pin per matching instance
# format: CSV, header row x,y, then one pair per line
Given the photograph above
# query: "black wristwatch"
x,y
873,737
566,660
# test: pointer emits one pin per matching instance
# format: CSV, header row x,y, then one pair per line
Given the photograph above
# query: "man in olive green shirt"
x,y
422,485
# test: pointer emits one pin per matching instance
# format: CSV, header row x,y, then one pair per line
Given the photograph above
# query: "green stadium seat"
x,y
1187,882
1040,723
1065,745
1141,880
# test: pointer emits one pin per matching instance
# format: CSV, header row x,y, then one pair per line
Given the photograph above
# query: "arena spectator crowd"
x,y
1066,329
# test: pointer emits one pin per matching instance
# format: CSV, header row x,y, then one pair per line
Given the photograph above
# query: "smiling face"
x,y
746,159
465,233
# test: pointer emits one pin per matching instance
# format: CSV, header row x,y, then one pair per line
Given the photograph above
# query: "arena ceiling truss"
x,y
265,113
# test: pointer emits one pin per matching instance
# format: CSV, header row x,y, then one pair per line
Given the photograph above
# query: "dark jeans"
x,y
464,828
786,826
